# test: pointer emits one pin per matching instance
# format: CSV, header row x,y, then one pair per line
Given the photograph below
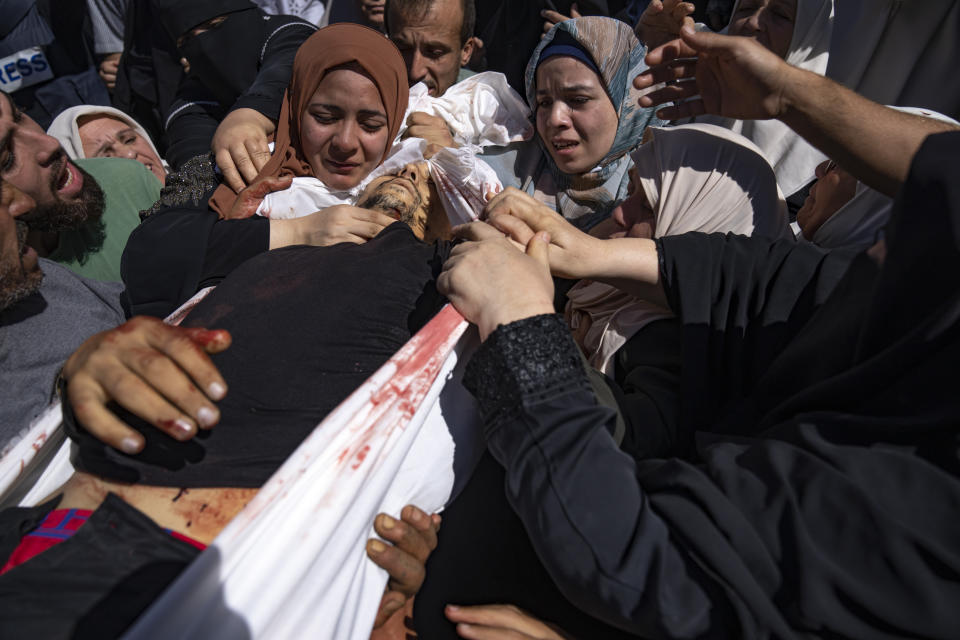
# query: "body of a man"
x,y
335,337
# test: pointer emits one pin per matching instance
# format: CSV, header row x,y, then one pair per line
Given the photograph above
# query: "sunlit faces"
x,y
770,22
343,130
20,274
575,118
104,136
34,162
430,44
372,12
410,197
833,189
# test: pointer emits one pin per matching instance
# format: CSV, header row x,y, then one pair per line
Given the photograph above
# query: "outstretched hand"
x,y
662,20
332,225
240,146
158,372
732,76
520,216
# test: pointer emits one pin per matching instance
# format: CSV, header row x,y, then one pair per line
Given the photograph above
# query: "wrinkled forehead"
x,y
94,123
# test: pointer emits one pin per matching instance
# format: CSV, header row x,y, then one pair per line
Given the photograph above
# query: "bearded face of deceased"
x,y
409,196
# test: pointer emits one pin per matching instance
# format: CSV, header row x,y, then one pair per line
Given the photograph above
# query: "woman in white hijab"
x,y
805,45
94,131
841,212
694,177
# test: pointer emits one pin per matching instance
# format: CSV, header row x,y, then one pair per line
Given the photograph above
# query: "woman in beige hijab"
x,y
694,177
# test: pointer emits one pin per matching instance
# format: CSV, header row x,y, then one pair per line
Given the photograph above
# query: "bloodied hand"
x,y
160,373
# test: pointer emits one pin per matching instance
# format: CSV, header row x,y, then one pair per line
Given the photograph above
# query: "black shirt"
x,y
309,325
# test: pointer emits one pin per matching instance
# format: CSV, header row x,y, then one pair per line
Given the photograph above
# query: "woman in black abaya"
x,y
818,398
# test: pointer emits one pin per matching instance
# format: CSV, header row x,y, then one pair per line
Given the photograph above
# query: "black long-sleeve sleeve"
x,y
811,530
276,65
192,119
174,254
740,303
182,246
577,494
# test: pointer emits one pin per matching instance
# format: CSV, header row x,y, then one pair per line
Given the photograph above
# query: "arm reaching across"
x,y
738,78
339,223
626,263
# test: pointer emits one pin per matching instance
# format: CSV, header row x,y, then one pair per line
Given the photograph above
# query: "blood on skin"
x,y
208,337
169,426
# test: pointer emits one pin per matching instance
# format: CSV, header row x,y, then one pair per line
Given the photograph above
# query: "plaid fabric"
x,y
59,525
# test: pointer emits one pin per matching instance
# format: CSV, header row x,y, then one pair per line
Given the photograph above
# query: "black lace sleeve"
x,y
533,357
187,187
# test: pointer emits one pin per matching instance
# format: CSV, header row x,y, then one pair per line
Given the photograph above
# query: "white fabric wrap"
x,y
691,185
461,177
481,110
293,562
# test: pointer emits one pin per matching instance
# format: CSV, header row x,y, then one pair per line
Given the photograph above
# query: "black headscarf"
x,y
179,16
225,58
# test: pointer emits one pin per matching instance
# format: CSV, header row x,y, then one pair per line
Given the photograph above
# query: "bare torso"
x,y
199,513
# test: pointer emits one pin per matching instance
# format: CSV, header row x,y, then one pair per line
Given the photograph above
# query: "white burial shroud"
x,y
482,110
293,562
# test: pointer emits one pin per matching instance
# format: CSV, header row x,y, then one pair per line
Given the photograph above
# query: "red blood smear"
x,y
361,456
205,338
417,368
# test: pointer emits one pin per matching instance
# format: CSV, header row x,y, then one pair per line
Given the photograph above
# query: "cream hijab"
x,y
857,224
64,129
696,177
793,158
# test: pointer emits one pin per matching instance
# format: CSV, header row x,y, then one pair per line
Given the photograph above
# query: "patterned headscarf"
x,y
619,56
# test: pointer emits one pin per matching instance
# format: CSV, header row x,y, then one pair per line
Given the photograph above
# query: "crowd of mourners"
x,y
717,291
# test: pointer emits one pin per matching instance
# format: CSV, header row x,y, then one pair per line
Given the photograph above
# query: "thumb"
x,y
701,40
538,248
575,11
